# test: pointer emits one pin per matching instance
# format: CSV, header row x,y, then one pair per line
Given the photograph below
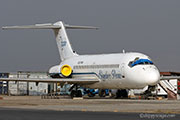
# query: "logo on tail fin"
x,y
63,43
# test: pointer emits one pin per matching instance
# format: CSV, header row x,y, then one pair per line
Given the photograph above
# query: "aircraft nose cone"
x,y
153,77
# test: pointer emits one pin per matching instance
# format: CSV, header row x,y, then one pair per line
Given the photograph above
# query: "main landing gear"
x,y
75,92
122,93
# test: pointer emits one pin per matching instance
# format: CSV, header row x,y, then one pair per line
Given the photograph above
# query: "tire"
x,y
79,93
122,93
102,93
73,93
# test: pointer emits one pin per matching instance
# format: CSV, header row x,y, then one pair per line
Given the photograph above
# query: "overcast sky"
x,y
148,26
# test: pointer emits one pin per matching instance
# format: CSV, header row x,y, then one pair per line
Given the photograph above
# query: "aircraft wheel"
x,y
122,93
102,93
73,93
79,93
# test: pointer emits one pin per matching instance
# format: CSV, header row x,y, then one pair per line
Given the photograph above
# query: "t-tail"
x,y
59,28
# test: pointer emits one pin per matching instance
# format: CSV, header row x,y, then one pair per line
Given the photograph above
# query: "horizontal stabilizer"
x,y
32,27
79,27
48,26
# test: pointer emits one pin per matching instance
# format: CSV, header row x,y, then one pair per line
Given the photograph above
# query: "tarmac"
x,y
29,114
91,105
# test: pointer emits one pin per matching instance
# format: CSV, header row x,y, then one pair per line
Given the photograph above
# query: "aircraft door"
x,y
122,70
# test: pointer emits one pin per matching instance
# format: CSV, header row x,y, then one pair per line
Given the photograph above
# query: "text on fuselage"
x,y
112,75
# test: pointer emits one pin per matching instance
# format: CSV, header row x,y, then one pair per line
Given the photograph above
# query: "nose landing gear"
x,y
148,92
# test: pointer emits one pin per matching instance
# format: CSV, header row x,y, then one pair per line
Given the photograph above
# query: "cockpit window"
x,y
140,62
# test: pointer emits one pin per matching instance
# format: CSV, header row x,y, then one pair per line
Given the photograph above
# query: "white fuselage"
x,y
113,70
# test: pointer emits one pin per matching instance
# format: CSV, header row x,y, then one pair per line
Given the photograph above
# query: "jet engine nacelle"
x,y
66,70
60,71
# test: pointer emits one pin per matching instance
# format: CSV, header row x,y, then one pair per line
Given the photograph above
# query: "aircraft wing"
x,y
169,77
54,80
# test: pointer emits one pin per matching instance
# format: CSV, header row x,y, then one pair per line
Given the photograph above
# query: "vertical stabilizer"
x,y
64,46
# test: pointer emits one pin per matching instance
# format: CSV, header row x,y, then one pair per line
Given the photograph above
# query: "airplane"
x,y
126,70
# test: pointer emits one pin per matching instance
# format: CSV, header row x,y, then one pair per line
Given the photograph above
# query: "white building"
x,y
28,88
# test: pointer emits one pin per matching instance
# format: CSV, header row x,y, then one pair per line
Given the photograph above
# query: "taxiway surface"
x,y
28,114
92,105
